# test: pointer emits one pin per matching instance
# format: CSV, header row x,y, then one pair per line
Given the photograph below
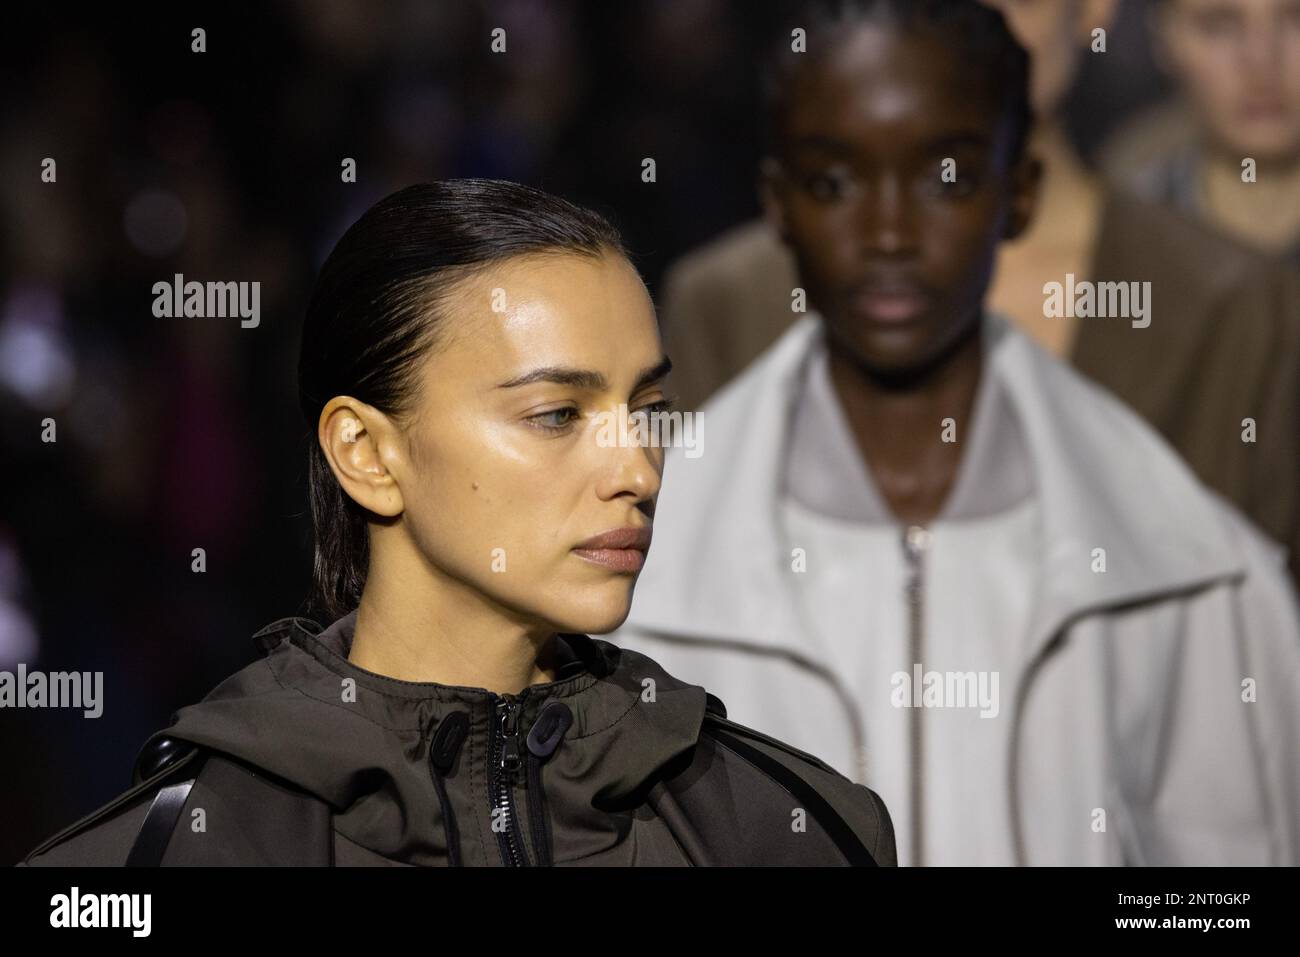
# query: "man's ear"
x,y
771,195
361,445
1026,178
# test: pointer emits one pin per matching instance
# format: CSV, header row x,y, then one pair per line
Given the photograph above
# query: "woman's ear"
x,y
361,443
1026,178
771,195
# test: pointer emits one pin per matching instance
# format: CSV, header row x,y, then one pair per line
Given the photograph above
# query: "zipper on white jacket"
x,y
916,539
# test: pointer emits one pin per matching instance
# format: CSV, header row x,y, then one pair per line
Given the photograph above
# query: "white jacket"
x,y
1150,716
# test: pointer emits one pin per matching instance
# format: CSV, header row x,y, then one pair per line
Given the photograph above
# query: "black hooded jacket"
x,y
304,758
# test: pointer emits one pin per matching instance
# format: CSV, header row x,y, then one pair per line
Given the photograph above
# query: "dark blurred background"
x,y
173,435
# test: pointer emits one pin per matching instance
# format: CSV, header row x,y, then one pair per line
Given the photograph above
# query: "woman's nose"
x,y
631,454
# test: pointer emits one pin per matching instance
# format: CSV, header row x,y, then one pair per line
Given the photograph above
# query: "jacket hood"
x,y
361,741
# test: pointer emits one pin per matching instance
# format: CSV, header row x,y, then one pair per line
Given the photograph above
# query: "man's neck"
x,y
900,431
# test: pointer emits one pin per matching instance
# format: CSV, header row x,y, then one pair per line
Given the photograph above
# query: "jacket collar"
x,y
306,714
719,567
825,472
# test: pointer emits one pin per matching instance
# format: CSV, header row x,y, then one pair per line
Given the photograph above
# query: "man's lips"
x,y
622,549
889,303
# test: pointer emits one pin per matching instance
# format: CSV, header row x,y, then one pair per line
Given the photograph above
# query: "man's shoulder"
x,y
1265,558
740,253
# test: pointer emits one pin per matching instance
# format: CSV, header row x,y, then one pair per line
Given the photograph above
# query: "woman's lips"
x,y
622,549
619,559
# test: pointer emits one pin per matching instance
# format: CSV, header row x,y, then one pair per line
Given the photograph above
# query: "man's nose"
x,y
887,219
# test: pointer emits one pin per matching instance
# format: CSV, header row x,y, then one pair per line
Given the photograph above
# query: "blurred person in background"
x,y
1236,65
916,544
1217,370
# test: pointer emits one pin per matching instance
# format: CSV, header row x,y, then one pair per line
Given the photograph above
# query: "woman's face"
x,y
509,470
1239,63
894,255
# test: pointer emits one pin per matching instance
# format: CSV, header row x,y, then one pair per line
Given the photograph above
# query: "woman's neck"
x,y
414,627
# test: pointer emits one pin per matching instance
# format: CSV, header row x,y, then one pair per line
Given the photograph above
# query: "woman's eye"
x,y
645,416
662,407
556,420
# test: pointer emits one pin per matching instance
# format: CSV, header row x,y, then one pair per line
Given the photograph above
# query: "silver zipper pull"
x,y
510,735
916,539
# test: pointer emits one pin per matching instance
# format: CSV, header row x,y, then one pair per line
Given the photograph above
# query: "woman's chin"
x,y
595,618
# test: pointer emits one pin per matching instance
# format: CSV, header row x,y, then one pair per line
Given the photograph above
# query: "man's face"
x,y
894,256
1239,63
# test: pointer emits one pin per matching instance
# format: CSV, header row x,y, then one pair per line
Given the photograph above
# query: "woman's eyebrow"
x,y
653,373
584,378
561,375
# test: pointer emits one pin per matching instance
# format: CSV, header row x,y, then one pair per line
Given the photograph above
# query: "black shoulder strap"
x,y
713,705
836,827
156,830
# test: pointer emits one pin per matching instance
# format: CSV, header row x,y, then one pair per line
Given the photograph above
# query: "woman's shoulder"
x,y
194,806
105,836
772,803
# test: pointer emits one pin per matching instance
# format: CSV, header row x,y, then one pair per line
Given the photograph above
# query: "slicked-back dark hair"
x,y
378,307
976,33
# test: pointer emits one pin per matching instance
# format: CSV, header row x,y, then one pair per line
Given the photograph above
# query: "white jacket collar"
x,y
719,567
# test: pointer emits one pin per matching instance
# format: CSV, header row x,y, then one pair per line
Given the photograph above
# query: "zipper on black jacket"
x,y
505,766
916,538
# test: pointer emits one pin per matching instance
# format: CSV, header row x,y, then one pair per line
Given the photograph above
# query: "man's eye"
x,y
828,186
958,187
549,421
950,186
